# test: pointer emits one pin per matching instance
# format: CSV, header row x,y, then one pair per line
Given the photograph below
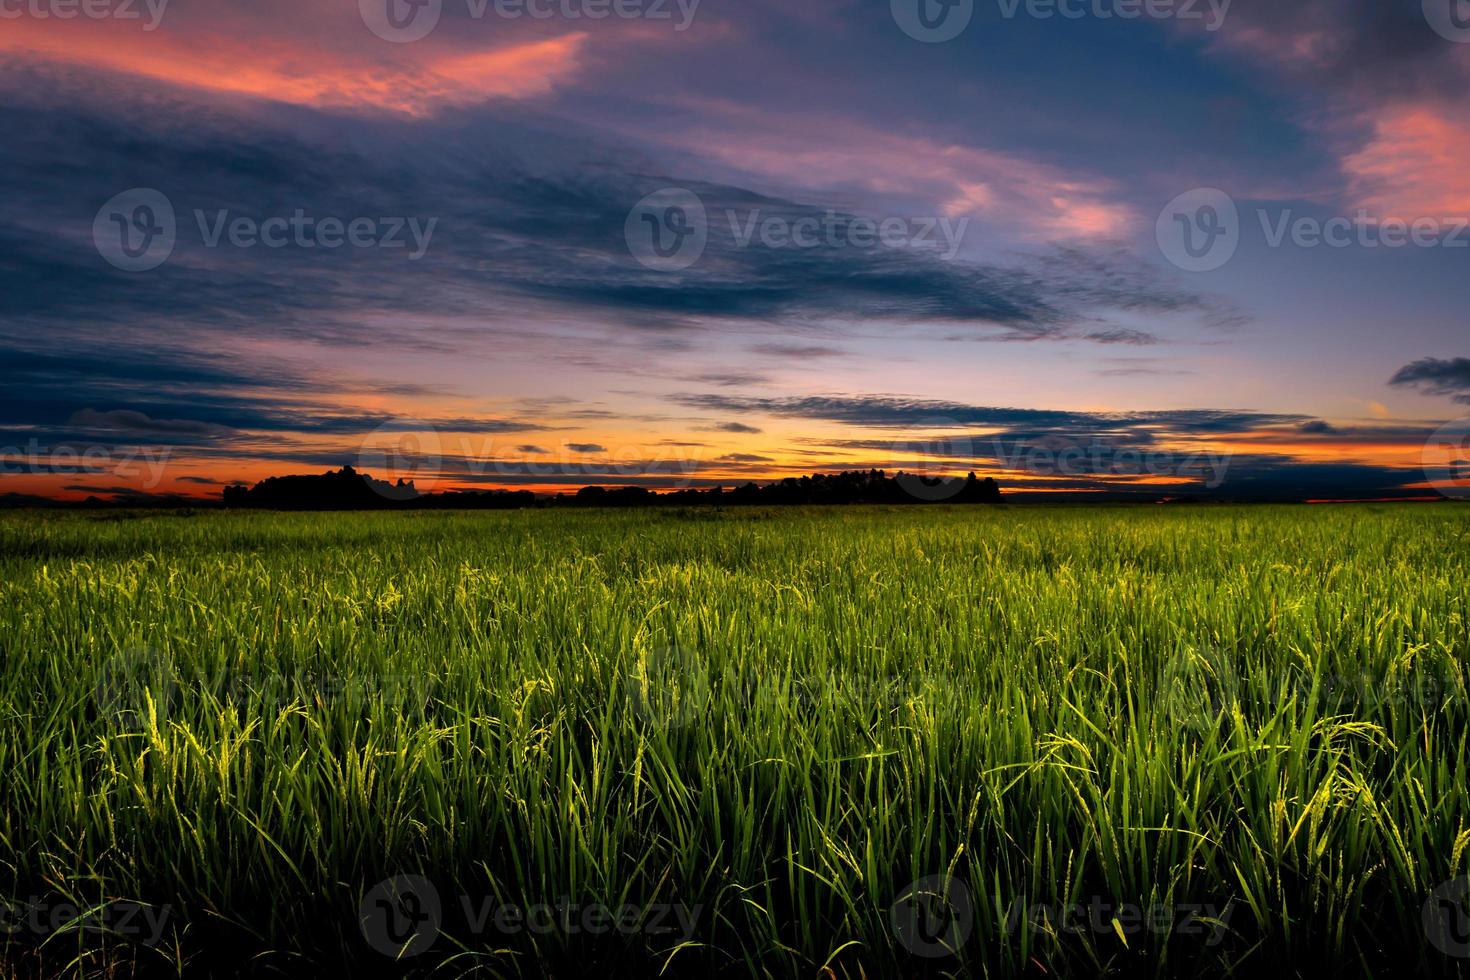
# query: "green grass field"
x,y
1140,741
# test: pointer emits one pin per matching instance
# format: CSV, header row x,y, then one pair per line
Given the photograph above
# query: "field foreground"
x,y
919,741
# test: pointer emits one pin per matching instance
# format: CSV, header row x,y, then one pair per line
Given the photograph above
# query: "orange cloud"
x,y
273,69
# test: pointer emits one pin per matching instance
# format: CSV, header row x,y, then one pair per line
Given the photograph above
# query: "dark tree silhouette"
x,y
347,489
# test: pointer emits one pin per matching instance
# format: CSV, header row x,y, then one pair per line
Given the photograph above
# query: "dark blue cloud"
x,y
899,412
1437,377
511,237
179,398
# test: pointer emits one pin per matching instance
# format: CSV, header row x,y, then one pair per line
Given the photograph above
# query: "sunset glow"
x,y
425,234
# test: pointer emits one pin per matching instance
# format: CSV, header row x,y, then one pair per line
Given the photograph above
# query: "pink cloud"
x,y
416,82
1413,166
1036,200
1412,162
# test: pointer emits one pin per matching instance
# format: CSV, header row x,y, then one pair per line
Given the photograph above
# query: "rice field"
x,y
982,741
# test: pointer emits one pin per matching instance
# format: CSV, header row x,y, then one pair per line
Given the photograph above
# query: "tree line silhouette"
x,y
349,489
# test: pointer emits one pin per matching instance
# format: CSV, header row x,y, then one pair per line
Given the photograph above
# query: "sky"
x,y
1092,247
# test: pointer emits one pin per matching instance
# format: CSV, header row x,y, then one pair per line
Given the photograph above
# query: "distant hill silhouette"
x,y
348,489
130,501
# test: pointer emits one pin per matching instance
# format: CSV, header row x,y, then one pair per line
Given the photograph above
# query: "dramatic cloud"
x,y
319,55
1437,377
1387,85
184,398
137,422
456,237
433,246
898,412
1413,167
1363,46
